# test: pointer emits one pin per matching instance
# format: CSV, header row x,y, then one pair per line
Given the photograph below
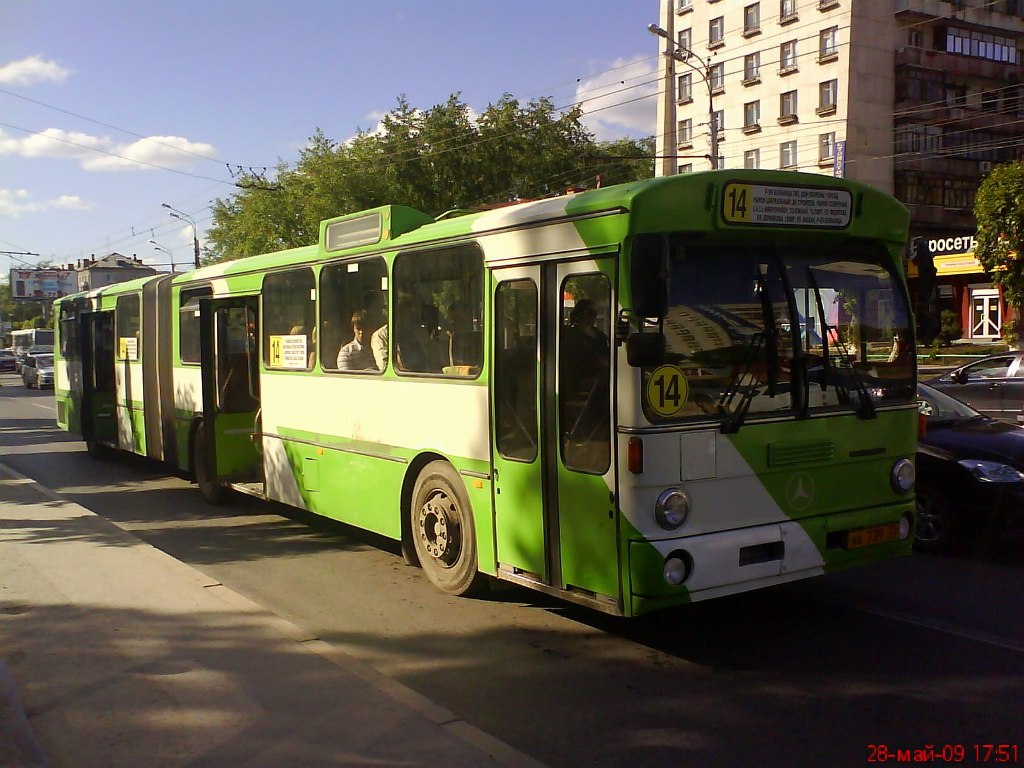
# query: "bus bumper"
x,y
718,564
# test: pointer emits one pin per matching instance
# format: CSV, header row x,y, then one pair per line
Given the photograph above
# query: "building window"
x,y
752,68
915,189
717,74
686,39
826,147
752,117
716,32
684,6
685,168
718,121
752,19
787,108
828,93
918,139
990,101
915,38
958,194
752,158
684,88
684,132
920,85
787,11
787,154
825,5
787,57
970,42
828,44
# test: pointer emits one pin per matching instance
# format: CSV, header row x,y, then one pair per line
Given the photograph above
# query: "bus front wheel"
x,y
442,530
212,491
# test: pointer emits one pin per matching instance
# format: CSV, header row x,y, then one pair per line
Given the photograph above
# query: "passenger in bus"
x,y
375,305
412,340
356,356
464,343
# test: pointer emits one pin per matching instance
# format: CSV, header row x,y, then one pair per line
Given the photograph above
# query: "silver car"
x,y
37,370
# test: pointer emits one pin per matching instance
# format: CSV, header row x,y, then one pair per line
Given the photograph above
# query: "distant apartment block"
x,y
916,97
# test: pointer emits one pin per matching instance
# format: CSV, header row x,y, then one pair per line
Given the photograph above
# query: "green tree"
x,y
434,160
999,211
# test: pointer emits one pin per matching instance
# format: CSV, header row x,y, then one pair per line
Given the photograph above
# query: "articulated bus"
x,y
633,397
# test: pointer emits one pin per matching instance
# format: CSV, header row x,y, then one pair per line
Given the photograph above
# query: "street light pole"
x,y
168,251
175,213
683,55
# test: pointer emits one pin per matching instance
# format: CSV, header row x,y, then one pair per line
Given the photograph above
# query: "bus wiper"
x,y
771,336
865,407
736,416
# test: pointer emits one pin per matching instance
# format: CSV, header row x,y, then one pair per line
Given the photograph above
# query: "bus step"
x,y
259,490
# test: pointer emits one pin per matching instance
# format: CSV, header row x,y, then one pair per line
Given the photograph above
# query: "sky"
x,y
108,109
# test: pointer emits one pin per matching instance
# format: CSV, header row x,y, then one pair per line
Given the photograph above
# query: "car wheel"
x,y
938,523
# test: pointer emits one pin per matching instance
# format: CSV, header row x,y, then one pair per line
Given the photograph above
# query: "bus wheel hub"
x,y
438,521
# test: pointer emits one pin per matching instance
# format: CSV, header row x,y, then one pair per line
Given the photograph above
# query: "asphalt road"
x,y
924,652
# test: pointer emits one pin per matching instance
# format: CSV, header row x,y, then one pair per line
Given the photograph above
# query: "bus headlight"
x,y
903,476
671,509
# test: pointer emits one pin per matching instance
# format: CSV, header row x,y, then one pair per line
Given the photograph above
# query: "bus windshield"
x,y
773,330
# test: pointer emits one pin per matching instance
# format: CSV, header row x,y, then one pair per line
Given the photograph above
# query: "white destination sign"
x,y
786,206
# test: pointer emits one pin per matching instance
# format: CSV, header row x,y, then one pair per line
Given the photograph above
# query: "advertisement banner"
x,y
42,284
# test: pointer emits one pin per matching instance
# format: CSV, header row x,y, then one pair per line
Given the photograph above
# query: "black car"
x,y
7,360
970,473
993,385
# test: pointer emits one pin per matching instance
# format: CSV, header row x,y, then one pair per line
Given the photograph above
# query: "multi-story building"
x,y
916,97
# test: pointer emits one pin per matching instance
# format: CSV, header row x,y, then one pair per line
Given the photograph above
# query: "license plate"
x,y
879,534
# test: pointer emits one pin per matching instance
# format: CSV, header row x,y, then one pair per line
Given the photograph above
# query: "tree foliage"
x,y
434,160
999,211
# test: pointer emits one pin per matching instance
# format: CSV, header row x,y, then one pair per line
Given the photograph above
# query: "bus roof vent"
x,y
370,227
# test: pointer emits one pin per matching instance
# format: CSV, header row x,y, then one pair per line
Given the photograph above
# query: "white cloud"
x,y
100,153
621,101
15,202
32,70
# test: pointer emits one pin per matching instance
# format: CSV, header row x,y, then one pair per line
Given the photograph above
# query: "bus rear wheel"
x,y
443,534
212,491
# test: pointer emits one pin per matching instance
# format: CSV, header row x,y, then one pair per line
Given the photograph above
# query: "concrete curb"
x,y
18,745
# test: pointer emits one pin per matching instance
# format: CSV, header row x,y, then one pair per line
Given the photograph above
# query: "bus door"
x,y
99,411
552,453
231,396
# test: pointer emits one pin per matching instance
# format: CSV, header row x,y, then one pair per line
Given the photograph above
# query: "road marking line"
x,y
938,626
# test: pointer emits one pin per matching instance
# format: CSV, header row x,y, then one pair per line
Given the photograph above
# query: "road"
x,y
840,670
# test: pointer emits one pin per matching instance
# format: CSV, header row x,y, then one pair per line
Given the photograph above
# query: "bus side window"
x,y
289,314
438,311
347,290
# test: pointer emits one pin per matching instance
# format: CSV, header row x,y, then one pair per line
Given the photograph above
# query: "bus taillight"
x,y
635,455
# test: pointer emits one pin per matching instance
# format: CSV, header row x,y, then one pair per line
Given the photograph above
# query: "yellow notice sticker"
x,y
667,391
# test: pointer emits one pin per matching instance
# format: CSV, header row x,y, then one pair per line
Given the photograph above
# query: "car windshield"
x,y
938,406
768,330
44,361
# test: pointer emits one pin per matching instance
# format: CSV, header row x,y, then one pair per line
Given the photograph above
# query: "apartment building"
x,y
916,97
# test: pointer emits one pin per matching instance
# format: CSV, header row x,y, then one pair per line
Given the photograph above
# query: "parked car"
x,y
970,473
7,360
993,385
37,370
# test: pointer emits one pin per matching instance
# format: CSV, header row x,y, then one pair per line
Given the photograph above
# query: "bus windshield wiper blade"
x,y
865,408
735,417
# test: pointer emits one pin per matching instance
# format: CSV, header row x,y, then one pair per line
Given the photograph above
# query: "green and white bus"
x,y
632,397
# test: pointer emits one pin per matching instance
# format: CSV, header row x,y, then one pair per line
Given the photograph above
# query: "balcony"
x,y
943,9
958,65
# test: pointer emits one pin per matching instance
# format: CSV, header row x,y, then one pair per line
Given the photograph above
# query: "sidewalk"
x,y
123,656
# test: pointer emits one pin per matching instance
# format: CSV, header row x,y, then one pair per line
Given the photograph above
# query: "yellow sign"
x,y
287,351
667,391
127,348
783,205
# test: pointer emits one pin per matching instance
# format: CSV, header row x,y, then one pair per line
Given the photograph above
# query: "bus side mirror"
x,y
645,350
648,273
